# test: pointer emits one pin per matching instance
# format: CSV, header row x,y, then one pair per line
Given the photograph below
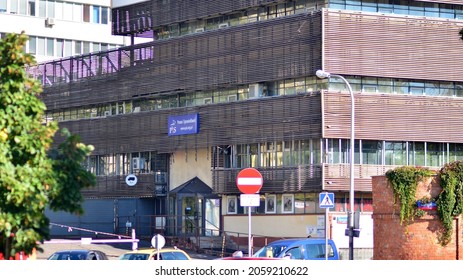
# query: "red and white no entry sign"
x,y
249,181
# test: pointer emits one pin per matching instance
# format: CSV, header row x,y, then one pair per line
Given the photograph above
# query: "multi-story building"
x,y
60,29
226,85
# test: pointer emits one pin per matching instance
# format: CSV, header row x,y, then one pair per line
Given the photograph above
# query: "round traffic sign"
x,y
158,241
131,180
249,181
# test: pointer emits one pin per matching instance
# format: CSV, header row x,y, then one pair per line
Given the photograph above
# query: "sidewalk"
x,y
113,251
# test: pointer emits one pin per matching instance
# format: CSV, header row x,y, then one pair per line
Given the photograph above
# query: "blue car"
x,y
300,249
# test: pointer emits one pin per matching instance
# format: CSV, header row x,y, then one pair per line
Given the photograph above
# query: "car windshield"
x,y
138,256
271,251
68,256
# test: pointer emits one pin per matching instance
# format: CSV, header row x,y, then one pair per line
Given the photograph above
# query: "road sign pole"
x,y
249,233
326,232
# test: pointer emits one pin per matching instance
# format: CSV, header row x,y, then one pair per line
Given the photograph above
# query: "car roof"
x,y
152,250
75,251
291,241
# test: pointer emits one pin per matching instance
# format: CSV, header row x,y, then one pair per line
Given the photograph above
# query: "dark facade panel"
x,y
264,51
276,180
392,46
115,187
278,118
394,117
140,17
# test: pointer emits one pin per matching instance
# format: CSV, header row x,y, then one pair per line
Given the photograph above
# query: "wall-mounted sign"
x,y
185,124
131,180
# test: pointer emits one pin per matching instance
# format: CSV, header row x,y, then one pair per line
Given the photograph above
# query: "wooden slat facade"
x,y
394,117
252,121
387,45
270,50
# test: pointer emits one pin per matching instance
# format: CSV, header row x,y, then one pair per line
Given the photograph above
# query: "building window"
x,y
96,14
31,7
50,47
2,6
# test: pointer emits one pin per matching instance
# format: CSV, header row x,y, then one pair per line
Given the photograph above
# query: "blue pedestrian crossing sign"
x,y
326,200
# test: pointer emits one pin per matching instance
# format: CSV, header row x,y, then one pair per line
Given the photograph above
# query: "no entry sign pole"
x,y
249,181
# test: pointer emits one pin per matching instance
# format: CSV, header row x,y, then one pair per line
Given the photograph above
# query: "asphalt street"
x,y
113,251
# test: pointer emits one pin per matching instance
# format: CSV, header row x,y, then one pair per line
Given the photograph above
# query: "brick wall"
x,y
418,240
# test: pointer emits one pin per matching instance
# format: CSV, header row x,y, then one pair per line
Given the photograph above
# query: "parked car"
x,y
78,255
299,249
152,254
238,255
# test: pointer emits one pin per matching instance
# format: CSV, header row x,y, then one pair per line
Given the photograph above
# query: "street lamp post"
x,y
323,75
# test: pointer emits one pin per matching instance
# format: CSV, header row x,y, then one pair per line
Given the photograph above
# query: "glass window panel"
x,y
23,7
455,152
96,14
86,47
316,151
67,48
77,12
50,47
78,47
59,10
340,203
42,8
431,89
401,87
299,203
51,9
434,154
95,47
371,152
367,204
86,13
14,8
2,6
67,11
311,203
33,45
395,153
31,7
41,46
104,15
333,151
416,152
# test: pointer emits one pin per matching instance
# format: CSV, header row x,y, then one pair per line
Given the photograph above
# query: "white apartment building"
x,y
61,28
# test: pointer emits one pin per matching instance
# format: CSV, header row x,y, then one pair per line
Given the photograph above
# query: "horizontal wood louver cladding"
x,y
265,51
380,45
394,117
305,178
116,187
457,2
146,15
279,118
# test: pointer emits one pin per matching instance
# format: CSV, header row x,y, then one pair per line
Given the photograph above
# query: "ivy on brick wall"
x,y
404,181
450,200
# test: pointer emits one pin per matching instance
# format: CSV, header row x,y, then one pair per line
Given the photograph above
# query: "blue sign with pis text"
x,y
184,124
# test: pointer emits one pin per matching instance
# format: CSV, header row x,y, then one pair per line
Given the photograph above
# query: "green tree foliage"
x,y
33,175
